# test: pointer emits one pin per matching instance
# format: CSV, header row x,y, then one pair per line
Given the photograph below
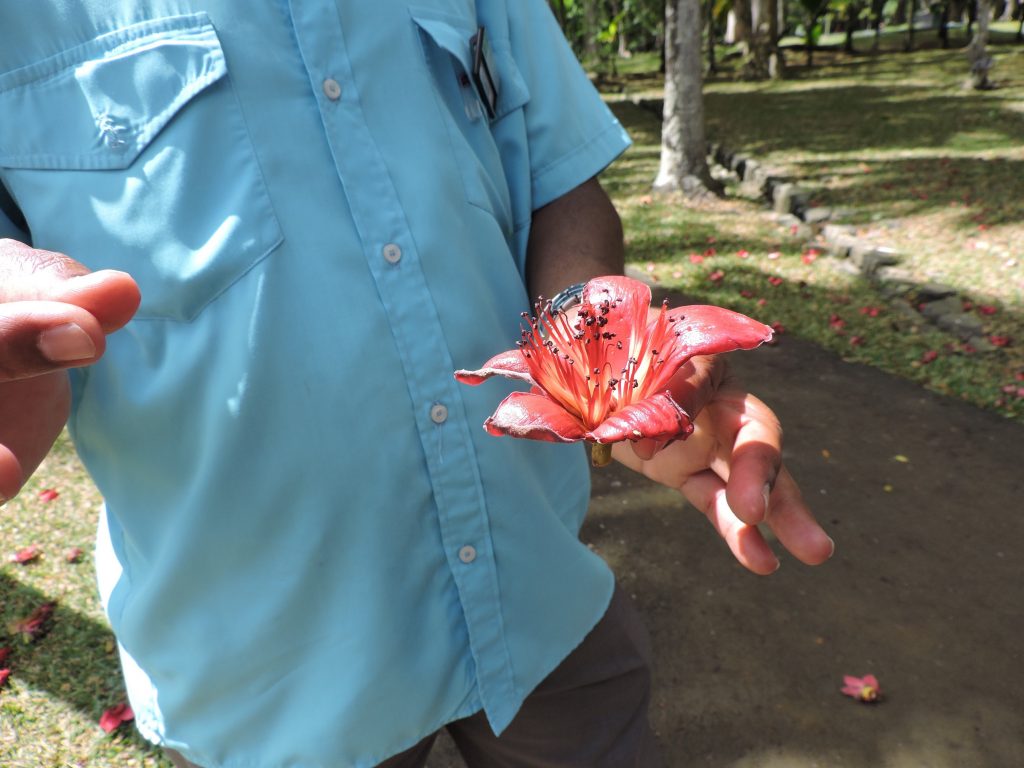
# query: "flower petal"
x,y
511,364
657,417
535,416
113,717
708,330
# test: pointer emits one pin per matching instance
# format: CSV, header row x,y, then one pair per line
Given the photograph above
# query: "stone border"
x,y
934,303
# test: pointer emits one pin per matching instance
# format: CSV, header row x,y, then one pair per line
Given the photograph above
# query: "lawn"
x,y
904,156
911,159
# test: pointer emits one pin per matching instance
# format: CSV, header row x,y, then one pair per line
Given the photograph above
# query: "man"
x,y
311,553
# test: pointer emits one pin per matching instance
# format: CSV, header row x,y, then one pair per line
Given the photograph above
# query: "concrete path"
x,y
925,499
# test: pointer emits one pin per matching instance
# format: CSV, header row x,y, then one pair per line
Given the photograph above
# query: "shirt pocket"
x,y
448,56
131,152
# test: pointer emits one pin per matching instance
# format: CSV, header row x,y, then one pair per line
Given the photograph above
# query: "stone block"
x,y
817,215
962,326
869,258
933,291
950,306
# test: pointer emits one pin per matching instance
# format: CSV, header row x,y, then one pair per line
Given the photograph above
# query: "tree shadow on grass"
x,y
75,660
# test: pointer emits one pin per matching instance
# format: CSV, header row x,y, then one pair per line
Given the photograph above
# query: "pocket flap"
x,y
453,35
96,106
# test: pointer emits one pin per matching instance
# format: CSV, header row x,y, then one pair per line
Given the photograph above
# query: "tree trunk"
x,y
712,66
977,54
911,9
684,162
852,9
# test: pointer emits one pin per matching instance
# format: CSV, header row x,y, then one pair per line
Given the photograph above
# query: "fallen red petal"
x,y
743,254
999,341
73,555
716,276
4,674
696,258
48,495
26,554
776,281
856,341
34,626
930,356
987,309
113,717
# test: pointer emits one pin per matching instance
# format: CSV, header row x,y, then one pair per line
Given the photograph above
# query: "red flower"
x,y
929,357
1000,341
776,281
865,689
4,674
856,341
836,322
717,276
744,254
33,626
870,311
605,377
48,495
4,653
987,309
26,554
113,717
696,258
73,555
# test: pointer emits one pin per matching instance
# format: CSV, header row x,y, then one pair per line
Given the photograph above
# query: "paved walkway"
x,y
925,499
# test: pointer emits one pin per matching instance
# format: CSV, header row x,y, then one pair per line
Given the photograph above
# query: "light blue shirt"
x,y
312,553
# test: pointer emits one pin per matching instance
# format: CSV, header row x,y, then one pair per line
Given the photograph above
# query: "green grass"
x,y
911,159
62,682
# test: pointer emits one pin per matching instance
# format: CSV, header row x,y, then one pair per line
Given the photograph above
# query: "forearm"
x,y
572,239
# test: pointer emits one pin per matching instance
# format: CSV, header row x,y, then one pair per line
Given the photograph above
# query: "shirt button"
x,y
438,413
467,554
332,89
392,253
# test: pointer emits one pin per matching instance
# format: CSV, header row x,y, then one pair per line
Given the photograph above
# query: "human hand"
x,y
54,315
731,469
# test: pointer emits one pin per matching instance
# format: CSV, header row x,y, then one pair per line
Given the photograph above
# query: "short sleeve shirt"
x,y
312,554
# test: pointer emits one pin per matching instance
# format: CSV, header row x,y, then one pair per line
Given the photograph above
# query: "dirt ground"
x,y
925,499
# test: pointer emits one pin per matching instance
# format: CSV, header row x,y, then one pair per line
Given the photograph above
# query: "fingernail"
x,y
832,542
778,564
66,343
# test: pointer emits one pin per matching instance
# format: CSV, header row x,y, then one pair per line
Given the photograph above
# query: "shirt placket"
x,y
393,260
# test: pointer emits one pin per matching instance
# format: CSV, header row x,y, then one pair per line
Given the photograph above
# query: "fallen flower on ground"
x,y
604,377
73,555
48,495
26,554
33,626
864,689
4,674
113,717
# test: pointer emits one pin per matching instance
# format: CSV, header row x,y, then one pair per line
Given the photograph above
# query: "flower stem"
x,y
600,454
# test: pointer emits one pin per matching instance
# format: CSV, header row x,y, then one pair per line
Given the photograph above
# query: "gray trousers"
x,y
590,712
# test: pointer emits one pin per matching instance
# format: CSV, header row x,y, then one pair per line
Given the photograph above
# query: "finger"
x,y
646,447
32,274
793,524
706,491
32,414
39,336
754,436
112,297
697,382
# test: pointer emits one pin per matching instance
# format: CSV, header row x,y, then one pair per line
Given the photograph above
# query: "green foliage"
x,y
911,160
